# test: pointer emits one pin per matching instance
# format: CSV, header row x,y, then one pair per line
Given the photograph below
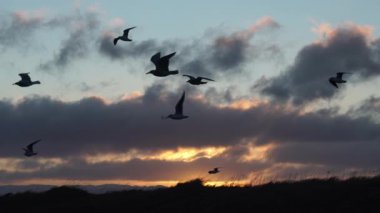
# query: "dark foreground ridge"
x,y
315,195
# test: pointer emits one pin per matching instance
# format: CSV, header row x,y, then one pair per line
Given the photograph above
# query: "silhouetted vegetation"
x,y
314,195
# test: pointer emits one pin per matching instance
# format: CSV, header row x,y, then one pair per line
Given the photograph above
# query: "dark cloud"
x,y
337,155
82,28
227,54
223,54
348,48
134,49
91,125
18,27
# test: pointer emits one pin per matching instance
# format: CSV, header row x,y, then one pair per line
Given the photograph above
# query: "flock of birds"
x,y
162,70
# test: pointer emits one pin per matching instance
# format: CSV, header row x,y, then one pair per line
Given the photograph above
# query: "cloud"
x,y
246,137
347,48
205,57
18,27
135,169
81,27
226,54
359,155
135,49
93,125
232,50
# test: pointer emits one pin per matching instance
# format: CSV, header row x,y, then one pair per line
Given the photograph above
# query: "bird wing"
x,y
30,146
163,63
209,79
155,59
340,74
334,83
179,106
191,77
25,76
126,31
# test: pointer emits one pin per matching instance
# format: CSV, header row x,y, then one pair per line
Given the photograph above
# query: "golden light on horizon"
x,y
61,182
227,183
181,154
189,154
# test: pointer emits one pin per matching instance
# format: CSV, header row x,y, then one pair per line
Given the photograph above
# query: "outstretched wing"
x,y
25,76
340,74
155,59
191,77
333,83
163,63
126,31
30,146
179,106
209,79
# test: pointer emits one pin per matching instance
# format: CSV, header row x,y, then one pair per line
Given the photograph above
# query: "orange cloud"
x,y
257,153
180,155
328,32
243,104
26,17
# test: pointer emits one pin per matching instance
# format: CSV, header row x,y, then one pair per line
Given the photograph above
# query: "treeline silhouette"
x,y
359,194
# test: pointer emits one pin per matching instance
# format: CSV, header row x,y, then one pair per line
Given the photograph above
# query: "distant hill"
x,y
314,195
95,189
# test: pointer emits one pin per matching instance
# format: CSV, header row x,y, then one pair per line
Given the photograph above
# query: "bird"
x,y
178,115
338,79
25,80
197,80
124,37
162,65
214,171
29,149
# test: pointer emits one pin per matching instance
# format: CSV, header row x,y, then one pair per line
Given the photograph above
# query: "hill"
x,y
314,195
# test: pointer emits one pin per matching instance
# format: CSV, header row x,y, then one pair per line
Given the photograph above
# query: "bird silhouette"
x,y
29,149
338,79
197,80
214,171
25,80
178,115
162,65
124,37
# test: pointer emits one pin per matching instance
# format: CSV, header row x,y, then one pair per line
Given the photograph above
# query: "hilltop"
x,y
358,194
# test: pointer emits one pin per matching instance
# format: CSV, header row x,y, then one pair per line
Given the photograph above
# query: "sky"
x,y
271,113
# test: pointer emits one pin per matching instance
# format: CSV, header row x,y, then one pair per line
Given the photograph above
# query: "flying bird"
x,y
338,79
25,80
162,65
178,115
29,149
214,171
124,37
197,80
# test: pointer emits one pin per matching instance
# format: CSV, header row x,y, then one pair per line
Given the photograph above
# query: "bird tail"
x,y
115,41
36,82
175,72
